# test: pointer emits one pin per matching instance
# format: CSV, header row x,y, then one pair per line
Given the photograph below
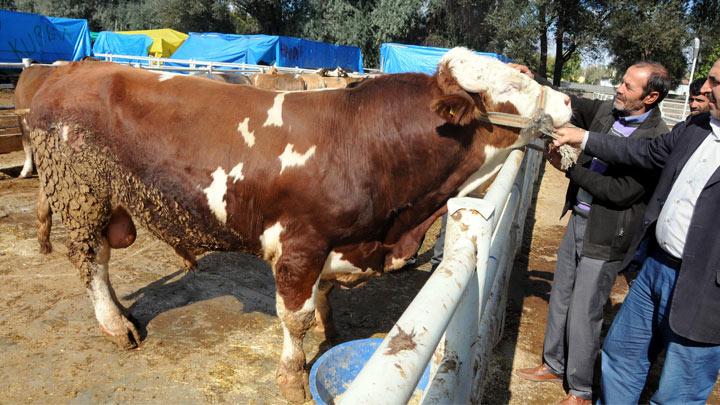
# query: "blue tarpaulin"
x,y
399,58
42,39
122,44
269,50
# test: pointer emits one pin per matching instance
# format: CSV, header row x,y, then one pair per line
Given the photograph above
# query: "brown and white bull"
x,y
321,184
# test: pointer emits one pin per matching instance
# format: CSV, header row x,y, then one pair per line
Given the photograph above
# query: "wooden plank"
x,y
10,143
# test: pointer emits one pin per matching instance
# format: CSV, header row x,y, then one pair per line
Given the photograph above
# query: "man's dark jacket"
x,y
695,305
620,195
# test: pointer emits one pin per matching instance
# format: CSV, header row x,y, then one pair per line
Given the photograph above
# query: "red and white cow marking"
x,y
353,191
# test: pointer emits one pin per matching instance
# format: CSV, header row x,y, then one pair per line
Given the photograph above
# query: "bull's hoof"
x,y
190,266
45,248
293,386
25,172
124,333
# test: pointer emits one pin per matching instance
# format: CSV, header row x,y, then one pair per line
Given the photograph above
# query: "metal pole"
x,y
391,374
696,50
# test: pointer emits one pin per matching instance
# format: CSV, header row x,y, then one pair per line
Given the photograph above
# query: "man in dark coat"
x,y
606,203
674,303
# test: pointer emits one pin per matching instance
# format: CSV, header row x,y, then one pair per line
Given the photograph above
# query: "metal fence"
x,y
189,65
457,317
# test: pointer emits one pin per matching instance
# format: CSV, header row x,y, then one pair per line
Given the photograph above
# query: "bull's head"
x,y
478,87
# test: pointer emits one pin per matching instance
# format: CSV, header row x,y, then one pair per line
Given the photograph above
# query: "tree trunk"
x,y
542,63
559,60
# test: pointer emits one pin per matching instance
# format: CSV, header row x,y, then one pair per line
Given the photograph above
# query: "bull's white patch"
x,y
100,291
290,158
236,172
476,73
270,242
274,117
494,158
335,264
166,76
247,135
65,132
397,263
215,193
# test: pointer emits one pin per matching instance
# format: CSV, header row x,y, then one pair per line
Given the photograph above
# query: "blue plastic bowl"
x,y
336,369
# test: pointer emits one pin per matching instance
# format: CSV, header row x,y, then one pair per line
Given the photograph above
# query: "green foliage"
x,y
648,30
572,69
708,61
7,5
704,22
595,73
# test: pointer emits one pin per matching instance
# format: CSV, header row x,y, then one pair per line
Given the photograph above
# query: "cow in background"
x,y
320,196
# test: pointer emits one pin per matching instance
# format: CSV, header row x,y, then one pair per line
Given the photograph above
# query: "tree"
x,y
648,30
8,5
366,24
595,73
705,24
709,60
272,17
576,24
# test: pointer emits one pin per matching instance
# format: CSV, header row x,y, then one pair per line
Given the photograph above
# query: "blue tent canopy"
x,y
43,39
122,44
399,58
269,50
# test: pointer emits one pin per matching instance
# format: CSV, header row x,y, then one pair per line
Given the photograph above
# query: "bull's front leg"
x,y
27,148
297,276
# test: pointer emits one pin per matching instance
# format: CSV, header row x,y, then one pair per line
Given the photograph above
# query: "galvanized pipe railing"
x,y
155,63
458,314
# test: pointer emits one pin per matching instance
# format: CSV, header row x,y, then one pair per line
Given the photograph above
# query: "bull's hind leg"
x,y
323,311
44,222
111,315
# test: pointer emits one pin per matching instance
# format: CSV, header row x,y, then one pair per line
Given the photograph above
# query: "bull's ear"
x,y
455,108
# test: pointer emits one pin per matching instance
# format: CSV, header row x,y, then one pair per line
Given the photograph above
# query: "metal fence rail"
x,y
457,317
190,65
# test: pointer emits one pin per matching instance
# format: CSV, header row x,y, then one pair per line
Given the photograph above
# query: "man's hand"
x,y
572,136
553,156
523,69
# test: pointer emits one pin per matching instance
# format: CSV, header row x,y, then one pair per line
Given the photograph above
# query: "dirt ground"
x,y
212,335
209,336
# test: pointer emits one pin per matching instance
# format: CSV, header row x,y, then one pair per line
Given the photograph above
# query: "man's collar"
x,y
715,126
632,118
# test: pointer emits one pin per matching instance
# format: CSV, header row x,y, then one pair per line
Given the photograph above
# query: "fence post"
x,y
404,353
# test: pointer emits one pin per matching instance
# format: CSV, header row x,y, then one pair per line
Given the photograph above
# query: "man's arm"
x,y
584,110
644,153
619,191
